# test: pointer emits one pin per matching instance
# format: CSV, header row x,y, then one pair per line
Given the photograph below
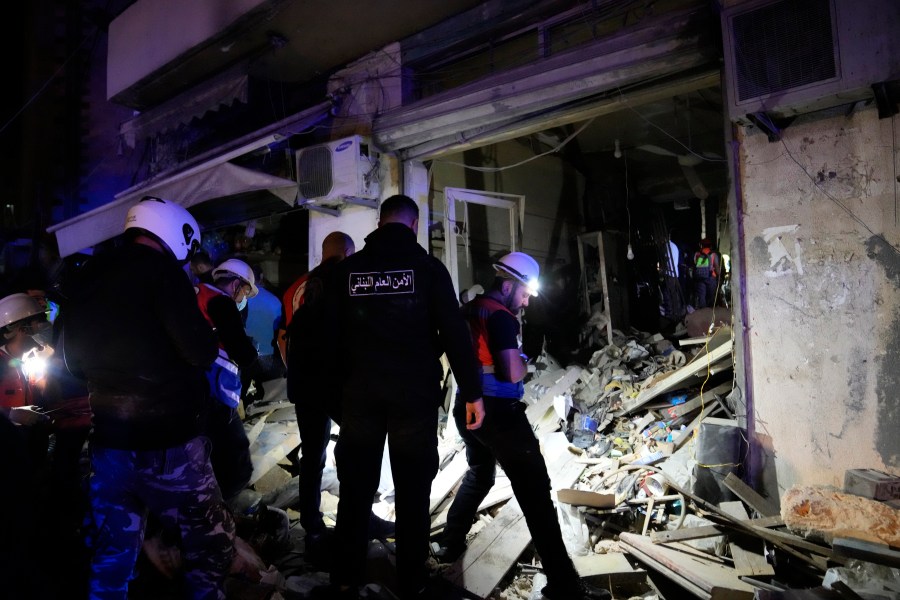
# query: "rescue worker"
x,y
221,302
134,332
336,246
21,318
394,313
705,275
23,451
506,436
312,394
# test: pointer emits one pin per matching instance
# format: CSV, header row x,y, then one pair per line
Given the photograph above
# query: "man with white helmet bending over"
x,y
221,302
506,436
134,332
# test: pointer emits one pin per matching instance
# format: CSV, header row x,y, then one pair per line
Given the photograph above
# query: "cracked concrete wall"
x,y
822,246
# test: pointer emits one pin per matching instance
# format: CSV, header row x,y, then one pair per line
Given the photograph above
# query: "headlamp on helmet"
x,y
522,268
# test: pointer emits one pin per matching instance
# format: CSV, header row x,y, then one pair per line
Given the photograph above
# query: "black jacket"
x,y
308,366
395,313
133,330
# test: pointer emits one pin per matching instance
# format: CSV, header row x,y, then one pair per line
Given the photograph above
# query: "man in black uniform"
x,y
134,331
507,436
395,313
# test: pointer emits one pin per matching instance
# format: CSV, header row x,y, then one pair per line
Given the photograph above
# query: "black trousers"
x,y
230,448
505,436
315,431
407,416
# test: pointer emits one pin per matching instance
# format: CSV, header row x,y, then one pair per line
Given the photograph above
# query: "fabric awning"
x,y
188,189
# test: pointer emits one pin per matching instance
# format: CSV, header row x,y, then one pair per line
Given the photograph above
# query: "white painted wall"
x,y
152,33
823,295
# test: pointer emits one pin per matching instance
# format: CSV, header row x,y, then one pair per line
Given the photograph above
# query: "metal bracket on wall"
x,y
770,125
335,211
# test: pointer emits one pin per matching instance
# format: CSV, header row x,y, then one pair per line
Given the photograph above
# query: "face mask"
x,y
242,304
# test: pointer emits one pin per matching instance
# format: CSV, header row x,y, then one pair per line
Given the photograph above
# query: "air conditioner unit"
x,y
789,57
337,173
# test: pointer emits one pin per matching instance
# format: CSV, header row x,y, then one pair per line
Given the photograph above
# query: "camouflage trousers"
x,y
178,487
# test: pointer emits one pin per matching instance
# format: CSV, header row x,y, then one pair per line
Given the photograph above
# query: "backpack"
x,y
704,265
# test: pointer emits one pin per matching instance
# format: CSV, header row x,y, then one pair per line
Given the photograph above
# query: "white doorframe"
x,y
513,203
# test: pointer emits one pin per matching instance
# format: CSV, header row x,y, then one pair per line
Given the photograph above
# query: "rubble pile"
x,y
644,446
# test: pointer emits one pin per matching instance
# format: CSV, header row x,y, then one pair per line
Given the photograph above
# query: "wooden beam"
x,y
880,554
446,480
495,550
748,561
759,531
705,531
763,506
679,410
661,384
699,575
799,542
492,553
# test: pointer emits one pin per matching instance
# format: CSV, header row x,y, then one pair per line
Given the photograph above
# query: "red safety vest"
x,y
14,388
477,312
293,298
205,293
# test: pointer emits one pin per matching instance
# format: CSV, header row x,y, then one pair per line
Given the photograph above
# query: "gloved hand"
x,y
27,415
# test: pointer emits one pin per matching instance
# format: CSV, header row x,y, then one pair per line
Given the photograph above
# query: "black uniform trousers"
x,y
505,436
407,415
315,430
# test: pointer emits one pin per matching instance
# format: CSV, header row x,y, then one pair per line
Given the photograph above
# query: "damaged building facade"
x,y
583,133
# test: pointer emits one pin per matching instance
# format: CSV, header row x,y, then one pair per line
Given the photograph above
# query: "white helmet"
x,y
239,269
169,222
522,268
17,307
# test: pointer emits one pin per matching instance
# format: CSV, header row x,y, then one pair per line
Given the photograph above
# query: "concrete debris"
x,y
622,435
824,513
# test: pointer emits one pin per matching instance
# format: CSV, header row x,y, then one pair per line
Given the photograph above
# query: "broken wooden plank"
x,y
256,429
799,542
495,550
274,443
685,434
705,531
492,553
759,531
501,492
700,575
880,554
763,506
447,479
537,413
586,498
610,567
748,561
679,410
661,384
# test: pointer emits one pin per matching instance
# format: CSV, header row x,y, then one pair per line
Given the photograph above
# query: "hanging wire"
x,y
43,87
521,162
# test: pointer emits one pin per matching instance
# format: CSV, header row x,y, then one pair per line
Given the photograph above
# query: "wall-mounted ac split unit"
x,y
337,173
789,57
